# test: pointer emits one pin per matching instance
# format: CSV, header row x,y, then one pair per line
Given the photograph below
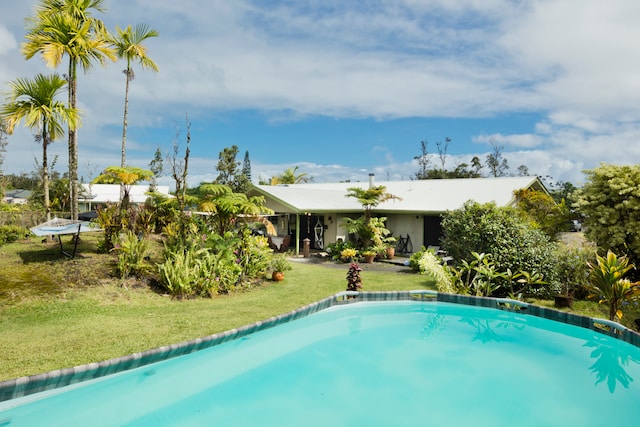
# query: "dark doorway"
x,y
432,230
312,228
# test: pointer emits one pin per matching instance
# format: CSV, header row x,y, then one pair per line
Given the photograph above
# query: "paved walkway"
x,y
396,264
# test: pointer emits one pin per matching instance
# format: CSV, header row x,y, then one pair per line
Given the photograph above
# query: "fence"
x,y
28,219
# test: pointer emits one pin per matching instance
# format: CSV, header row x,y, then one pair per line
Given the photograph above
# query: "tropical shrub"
x,y
335,249
610,204
573,270
426,262
368,232
253,254
208,264
180,272
513,242
131,253
11,233
112,222
551,217
607,282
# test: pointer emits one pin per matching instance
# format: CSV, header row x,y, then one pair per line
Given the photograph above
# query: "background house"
x,y
93,195
315,211
17,197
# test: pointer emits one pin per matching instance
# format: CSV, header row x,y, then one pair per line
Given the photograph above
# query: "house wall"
x,y
403,224
398,224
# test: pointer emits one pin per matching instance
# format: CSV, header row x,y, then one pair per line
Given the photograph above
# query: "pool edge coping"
x,y
27,385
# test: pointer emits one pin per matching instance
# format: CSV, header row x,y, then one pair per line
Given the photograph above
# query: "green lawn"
x,y
77,323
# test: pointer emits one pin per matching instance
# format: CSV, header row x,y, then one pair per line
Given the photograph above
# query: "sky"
x,y
345,88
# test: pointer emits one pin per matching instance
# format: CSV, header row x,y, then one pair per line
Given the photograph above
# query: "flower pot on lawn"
x,y
277,276
563,301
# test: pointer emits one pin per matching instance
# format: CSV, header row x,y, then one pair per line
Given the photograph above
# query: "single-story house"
x,y
93,195
316,210
16,197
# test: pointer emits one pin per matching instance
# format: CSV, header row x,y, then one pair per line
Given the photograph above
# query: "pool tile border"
x,y
23,386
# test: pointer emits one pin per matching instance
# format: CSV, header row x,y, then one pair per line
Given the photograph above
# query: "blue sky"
x,y
344,88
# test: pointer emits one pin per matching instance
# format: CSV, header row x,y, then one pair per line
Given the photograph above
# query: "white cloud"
x,y
7,41
518,141
573,62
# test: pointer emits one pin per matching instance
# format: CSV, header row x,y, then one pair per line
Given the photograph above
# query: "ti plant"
x,y
607,282
354,281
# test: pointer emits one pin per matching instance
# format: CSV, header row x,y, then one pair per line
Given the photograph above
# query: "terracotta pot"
x,y
369,258
277,276
391,252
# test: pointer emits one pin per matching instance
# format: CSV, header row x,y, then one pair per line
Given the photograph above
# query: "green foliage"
x,y
426,262
229,171
253,254
482,277
112,222
11,233
610,204
573,269
208,264
131,252
226,206
180,272
291,176
348,254
514,244
370,198
541,208
607,282
368,232
335,249
280,263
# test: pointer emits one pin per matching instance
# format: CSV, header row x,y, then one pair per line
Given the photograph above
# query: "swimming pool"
x,y
369,364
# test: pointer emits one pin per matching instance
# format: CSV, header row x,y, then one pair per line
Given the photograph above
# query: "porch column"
x,y
297,233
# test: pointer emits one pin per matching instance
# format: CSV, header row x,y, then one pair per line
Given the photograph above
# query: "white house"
x,y
315,210
16,197
93,195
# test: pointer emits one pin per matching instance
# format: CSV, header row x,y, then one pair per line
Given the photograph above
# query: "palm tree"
x,y
128,45
35,102
66,27
290,176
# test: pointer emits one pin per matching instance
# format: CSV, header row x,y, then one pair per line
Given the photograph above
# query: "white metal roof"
x,y
432,195
110,193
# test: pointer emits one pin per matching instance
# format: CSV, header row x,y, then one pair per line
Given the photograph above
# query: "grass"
x,y
74,312
57,312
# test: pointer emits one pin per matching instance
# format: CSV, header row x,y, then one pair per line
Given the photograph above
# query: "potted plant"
x,y
348,254
369,255
279,264
390,243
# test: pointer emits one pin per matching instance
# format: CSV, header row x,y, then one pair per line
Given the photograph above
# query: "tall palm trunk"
x,y
45,170
123,159
73,142
127,72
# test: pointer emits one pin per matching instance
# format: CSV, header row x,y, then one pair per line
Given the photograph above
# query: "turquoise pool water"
x,y
398,363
